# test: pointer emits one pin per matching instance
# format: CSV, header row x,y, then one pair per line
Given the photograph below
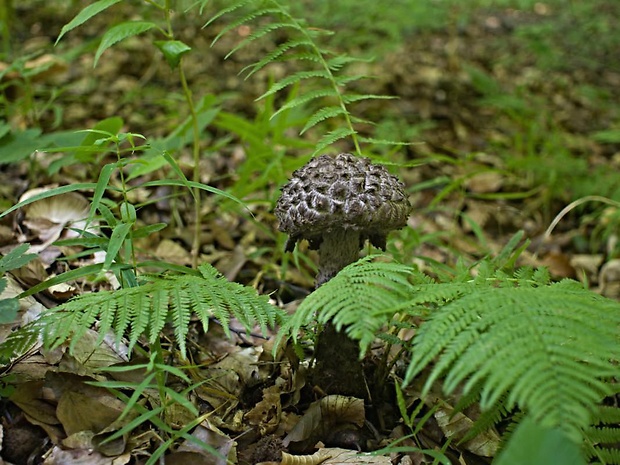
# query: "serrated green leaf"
x,y
350,98
336,63
294,79
305,98
121,32
261,32
276,54
241,21
321,115
225,11
332,137
84,15
173,50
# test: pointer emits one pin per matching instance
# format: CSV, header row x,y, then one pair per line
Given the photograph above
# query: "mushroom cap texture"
x,y
342,192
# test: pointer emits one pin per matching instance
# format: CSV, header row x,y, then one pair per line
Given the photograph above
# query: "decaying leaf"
x,y
334,456
318,457
324,415
455,425
266,413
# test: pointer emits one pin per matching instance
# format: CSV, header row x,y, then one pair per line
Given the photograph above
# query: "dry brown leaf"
x,y
455,425
322,416
58,456
81,412
173,252
485,182
266,414
211,435
334,456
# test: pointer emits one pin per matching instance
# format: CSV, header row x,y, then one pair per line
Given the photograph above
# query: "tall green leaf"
x,y
84,15
121,32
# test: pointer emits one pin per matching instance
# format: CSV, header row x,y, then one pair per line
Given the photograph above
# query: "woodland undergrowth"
x,y
538,355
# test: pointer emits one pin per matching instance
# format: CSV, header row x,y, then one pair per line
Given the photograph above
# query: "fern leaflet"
x,y
146,309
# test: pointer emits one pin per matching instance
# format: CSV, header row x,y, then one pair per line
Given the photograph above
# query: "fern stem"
x,y
332,80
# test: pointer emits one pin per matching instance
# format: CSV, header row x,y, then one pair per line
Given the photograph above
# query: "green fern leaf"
x,y
526,344
146,309
231,26
261,32
293,79
338,62
321,115
277,53
160,298
605,455
363,297
352,98
224,11
305,98
331,137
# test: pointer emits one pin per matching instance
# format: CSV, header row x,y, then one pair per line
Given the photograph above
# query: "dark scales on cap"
x,y
342,192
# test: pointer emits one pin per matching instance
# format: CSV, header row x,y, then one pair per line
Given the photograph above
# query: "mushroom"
x,y
337,203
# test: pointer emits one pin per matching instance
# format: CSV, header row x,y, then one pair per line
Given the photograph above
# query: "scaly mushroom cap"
x,y
345,192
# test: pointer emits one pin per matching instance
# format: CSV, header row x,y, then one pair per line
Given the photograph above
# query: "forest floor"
x,y
511,116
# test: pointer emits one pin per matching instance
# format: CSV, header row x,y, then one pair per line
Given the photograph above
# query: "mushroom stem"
x,y
338,369
339,248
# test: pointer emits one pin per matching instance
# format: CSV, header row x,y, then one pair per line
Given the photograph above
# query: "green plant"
x,y
322,81
173,51
16,258
508,339
156,373
145,309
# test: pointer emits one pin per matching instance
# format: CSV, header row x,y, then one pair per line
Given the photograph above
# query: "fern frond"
x,y
243,20
321,115
305,98
549,350
352,98
606,455
327,78
224,11
261,32
603,435
363,297
331,137
146,309
338,62
275,55
608,415
292,79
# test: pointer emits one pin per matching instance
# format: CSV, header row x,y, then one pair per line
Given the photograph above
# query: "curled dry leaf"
x,y
335,456
323,416
319,456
